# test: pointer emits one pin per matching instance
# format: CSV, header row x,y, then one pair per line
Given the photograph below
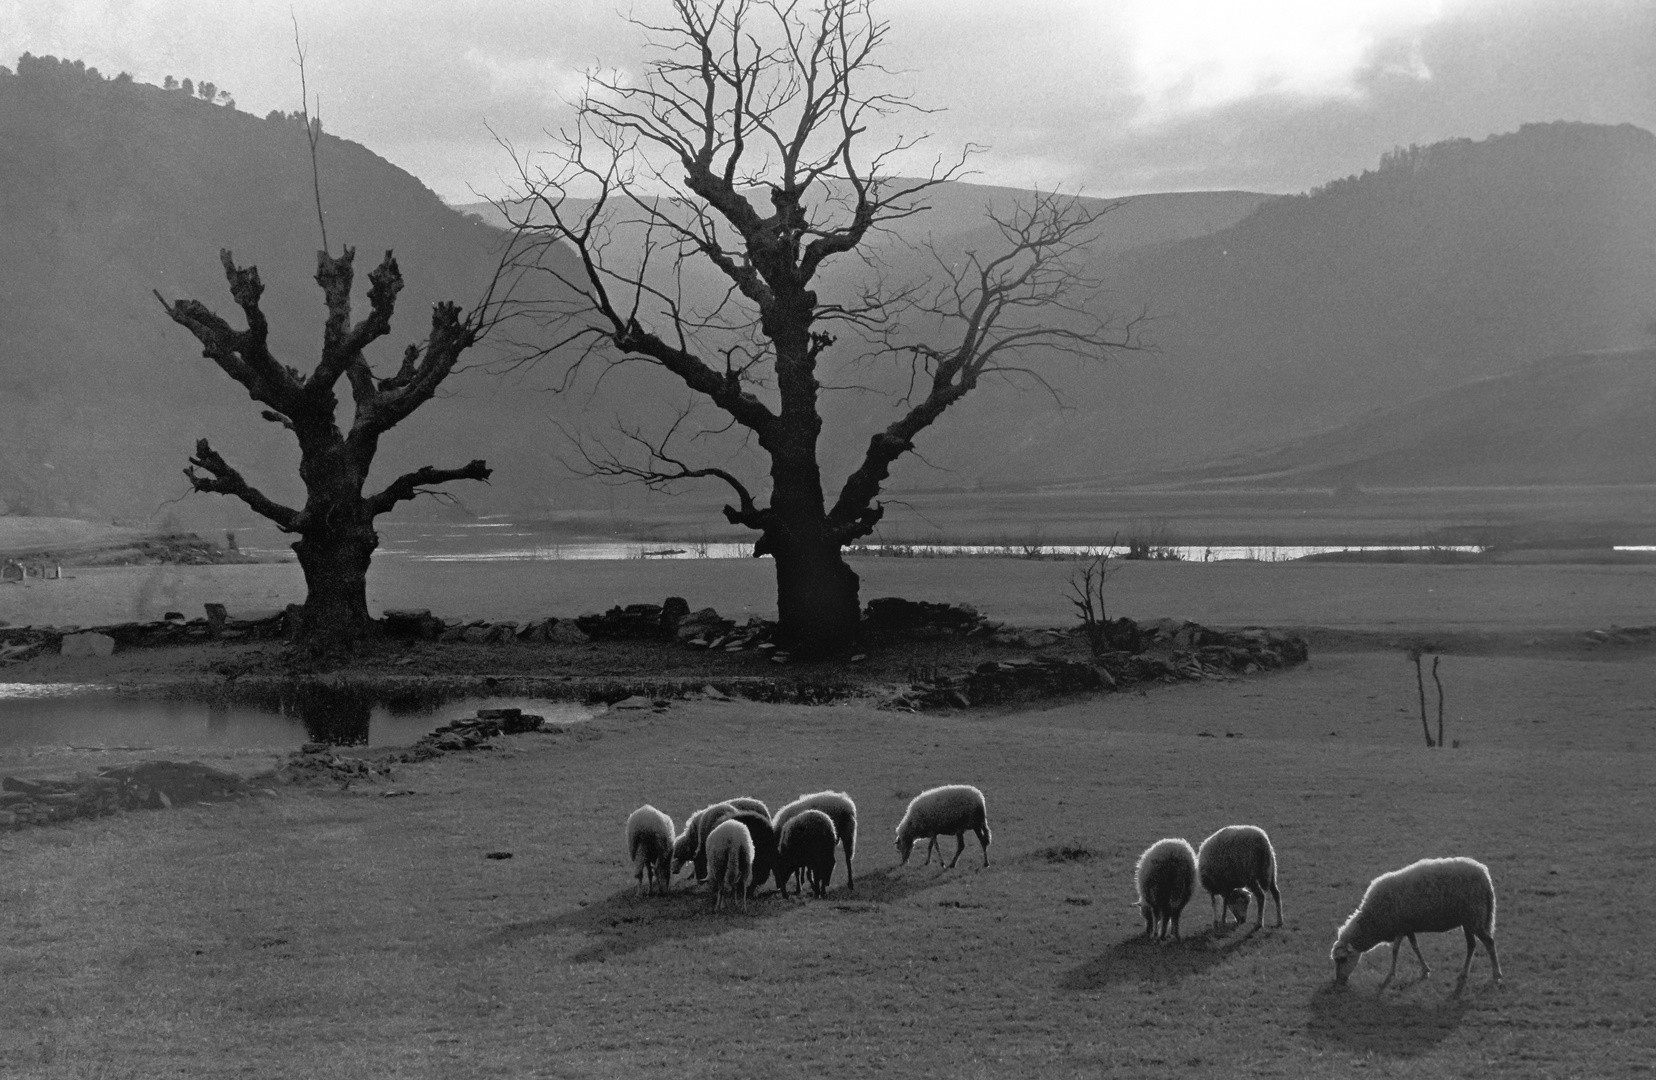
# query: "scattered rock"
x,y
87,644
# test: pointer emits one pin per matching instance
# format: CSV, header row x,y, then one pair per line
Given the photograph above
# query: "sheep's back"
x,y
952,808
1236,857
1431,896
836,804
1166,874
650,832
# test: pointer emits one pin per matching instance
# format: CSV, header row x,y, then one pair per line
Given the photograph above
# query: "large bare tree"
x,y
336,525
774,98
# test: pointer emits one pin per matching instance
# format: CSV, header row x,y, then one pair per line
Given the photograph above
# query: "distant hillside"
x,y
1276,318
112,188
1563,420
1445,264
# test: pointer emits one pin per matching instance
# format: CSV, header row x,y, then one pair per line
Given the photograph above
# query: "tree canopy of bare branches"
x,y
336,525
778,100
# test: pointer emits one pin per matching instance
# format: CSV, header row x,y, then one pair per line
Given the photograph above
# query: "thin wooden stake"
x,y
1439,682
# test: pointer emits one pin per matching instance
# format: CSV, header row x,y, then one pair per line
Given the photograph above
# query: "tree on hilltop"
x,y
740,95
336,525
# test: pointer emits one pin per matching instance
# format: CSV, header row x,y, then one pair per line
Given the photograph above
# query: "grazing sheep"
x,y
650,846
729,851
843,812
764,846
748,802
1233,863
689,846
807,842
951,810
1431,896
1166,878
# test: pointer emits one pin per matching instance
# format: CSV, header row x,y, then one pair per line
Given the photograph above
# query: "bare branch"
x,y
227,481
410,485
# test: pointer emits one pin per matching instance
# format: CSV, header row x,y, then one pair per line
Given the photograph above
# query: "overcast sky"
x,y
1110,96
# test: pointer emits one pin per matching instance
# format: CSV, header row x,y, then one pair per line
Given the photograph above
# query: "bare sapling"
x,y
1420,683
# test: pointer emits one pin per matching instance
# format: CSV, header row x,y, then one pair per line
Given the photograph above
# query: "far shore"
x,y
1340,596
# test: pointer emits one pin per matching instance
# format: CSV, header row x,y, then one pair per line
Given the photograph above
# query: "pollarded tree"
x,y
336,525
766,96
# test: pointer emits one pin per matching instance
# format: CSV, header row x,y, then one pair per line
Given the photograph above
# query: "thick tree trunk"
x,y
816,598
335,562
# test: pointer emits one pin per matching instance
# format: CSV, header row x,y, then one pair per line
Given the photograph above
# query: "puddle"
x,y
77,715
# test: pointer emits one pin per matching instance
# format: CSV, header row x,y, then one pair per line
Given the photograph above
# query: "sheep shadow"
x,y
624,922
1139,959
1356,1018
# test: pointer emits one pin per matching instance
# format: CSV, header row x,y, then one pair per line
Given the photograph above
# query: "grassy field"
x,y
353,935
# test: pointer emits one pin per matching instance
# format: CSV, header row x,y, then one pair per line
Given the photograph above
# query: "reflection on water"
x,y
74,715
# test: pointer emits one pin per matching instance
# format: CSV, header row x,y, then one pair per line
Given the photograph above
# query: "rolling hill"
x,y
1584,419
1278,320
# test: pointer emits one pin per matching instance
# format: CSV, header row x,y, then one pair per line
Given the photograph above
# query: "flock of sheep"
x,y
737,844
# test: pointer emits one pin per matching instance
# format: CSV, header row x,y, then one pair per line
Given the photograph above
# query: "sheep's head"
x,y
1345,960
1237,902
905,844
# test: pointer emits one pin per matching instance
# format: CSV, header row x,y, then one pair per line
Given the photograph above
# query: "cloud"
x,y
1198,56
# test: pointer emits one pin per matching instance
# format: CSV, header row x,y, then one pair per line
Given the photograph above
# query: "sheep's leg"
x,y
850,882
1489,944
1220,911
960,845
1258,895
1176,926
931,847
1276,896
1396,945
1425,970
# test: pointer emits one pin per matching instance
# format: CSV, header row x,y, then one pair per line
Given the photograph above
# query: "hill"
x,y
114,188
1276,318
1445,264
1585,419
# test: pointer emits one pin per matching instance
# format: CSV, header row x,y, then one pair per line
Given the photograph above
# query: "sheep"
x,y
764,846
690,845
807,842
748,802
953,809
1234,859
1166,878
840,809
650,846
1431,896
729,852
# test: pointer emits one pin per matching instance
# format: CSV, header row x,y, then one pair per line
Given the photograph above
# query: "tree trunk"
x,y
335,562
816,598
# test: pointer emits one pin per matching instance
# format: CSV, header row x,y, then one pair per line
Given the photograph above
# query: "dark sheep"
x,y
1166,878
809,841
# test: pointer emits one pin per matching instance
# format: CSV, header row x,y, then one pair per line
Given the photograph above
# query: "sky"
x,y
1108,97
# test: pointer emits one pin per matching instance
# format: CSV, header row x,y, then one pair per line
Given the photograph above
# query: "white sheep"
x,y
806,843
688,846
730,863
1166,879
839,808
650,846
1234,859
951,810
1432,896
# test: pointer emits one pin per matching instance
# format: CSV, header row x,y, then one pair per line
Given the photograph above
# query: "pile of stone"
x,y
26,642
1169,651
636,622
888,613
152,785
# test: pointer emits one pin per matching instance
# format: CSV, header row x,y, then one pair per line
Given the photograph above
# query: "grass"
x,y
325,933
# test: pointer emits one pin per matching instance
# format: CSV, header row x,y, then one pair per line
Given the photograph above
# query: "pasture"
x,y
351,934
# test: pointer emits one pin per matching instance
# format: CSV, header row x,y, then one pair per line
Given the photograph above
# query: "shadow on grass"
x,y
625,922
1356,1018
1139,959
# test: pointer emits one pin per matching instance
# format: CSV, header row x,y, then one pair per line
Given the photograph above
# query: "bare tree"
x,y
744,96
336,526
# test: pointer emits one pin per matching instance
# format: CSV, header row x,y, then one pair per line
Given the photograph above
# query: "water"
x,y
86,716
509,541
